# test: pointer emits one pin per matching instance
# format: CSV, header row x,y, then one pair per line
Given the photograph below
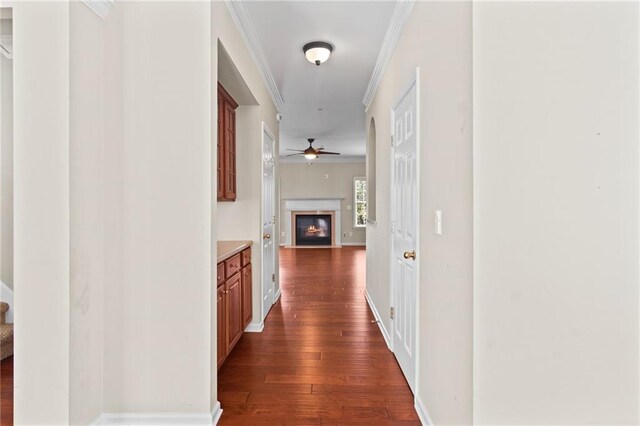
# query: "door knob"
x,y
410,255
266,236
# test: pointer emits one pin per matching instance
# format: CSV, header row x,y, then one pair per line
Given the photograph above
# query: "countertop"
x,y
228,248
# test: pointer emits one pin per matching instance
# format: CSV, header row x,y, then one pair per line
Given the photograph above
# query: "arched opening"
x,y
371,172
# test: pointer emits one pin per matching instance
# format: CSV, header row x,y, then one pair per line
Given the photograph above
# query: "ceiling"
x,y
322,102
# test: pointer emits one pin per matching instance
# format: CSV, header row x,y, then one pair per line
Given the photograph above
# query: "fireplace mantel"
x,y
313,205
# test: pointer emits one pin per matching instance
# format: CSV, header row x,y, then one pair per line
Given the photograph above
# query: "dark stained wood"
x,y
6,391
320,359
247,299
226,187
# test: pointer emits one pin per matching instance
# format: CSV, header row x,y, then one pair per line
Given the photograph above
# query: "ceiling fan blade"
x,y
327,152
291,155
297,150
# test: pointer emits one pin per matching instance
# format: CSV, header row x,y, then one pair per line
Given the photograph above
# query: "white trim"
x,y
153,419
379,321
216,413
423,414
245,26
277,296
401,13
356,243
99,7
6,295
255,328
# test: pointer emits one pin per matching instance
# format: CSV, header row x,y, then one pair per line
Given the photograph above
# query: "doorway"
x,y
268,221
404,229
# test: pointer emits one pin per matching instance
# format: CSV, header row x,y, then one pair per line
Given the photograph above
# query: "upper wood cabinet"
x,y
226,145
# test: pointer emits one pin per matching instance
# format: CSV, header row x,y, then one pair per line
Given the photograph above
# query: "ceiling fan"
x,y
311,152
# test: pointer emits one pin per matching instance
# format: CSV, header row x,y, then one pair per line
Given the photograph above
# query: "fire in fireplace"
x,y
313,230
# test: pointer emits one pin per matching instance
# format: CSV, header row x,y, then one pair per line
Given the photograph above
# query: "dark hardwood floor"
x,y
320,359
6,391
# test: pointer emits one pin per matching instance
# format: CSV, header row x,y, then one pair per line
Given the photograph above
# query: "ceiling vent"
x,y
6,46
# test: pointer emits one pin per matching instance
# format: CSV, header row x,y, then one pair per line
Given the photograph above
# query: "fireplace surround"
x,y
306,207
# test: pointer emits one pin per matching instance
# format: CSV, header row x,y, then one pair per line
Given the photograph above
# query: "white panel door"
x,y
404,224
268,221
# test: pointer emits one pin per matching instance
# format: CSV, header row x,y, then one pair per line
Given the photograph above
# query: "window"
x,y
360,202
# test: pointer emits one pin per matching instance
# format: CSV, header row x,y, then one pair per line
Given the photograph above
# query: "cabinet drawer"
x,y
221,276
232,265
246,257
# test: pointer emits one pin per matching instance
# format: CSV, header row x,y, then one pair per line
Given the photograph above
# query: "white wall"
x,y
86,214
6,166
241,220
444,384
158,308
41,203
556,212
304,181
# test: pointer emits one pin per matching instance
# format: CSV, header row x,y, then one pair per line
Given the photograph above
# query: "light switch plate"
x,y
438,222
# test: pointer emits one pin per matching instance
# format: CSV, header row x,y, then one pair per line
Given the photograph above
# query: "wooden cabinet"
x,y
222,328
234,301
226,145
247,301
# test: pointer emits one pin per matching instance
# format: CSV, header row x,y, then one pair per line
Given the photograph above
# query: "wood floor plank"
x,y
321,358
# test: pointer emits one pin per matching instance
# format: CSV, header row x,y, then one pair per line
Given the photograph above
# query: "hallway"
x,y
320,360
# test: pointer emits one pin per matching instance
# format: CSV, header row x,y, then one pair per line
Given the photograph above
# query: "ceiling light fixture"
x,y
317,52
310,155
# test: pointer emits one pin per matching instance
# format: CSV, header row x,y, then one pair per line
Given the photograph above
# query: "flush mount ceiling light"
x,y
317,52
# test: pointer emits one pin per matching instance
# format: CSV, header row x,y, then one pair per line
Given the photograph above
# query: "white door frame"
x,y
415,81
269,133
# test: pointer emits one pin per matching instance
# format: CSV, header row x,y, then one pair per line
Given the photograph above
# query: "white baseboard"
x,y
216,413
6,295
277,296
153,419
376,314
354,244
254,328
423,414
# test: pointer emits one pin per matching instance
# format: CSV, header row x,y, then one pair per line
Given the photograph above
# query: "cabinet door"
x,y
247,301
234,310
230,152
221,135
222,325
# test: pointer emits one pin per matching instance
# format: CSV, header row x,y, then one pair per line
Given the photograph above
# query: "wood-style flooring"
x,y
321,360
6,391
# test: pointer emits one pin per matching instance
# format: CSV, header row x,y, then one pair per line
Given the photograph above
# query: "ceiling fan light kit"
x,y
311,153
317,52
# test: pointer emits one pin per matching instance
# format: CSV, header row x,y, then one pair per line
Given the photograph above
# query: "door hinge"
x,y
273,277
391,312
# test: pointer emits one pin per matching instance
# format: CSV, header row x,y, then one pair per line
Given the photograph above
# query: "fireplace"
x,y
313,229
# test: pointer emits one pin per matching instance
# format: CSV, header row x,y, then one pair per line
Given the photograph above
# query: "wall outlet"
x,y
349,207
284,234
350,234
438,222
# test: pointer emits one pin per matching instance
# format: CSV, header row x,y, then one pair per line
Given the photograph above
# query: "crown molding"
x,y
99,7
247,30
401,13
